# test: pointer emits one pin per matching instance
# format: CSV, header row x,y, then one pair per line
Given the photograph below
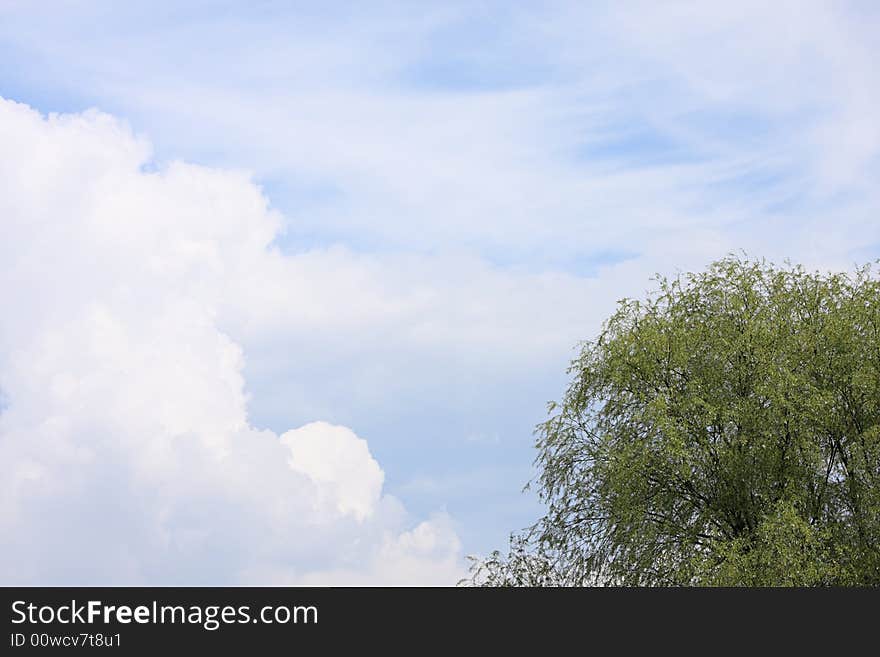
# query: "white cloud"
x,y
340,465
423,555
126,455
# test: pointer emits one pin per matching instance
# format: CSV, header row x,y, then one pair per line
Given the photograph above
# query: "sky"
x,y
289,285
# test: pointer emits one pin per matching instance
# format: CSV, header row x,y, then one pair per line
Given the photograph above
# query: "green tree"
x,y
725,431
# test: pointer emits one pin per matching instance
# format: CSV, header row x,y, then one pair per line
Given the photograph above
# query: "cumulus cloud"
x,y
126,453
340,465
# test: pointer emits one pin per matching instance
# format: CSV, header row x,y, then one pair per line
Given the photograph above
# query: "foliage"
x,y
725,431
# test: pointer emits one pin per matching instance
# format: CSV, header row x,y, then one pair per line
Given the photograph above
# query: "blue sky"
x,y
467,188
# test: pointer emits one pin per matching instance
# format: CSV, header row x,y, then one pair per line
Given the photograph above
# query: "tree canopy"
x,y
723,431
